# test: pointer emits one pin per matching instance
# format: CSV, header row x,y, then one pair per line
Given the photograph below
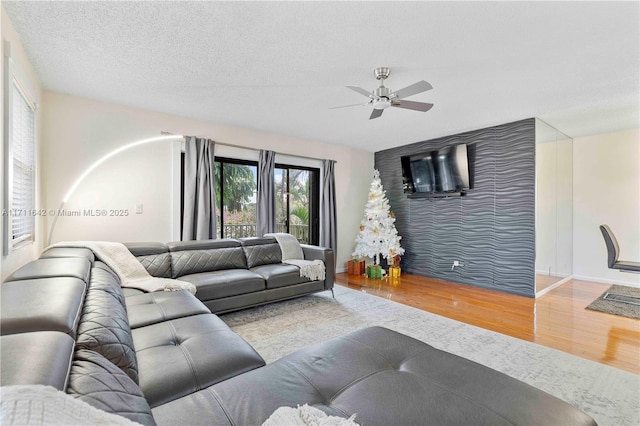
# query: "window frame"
x,y
314,201
314,228
236,161
14,77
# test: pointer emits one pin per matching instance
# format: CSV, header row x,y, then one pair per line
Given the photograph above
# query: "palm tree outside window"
x,y
297,195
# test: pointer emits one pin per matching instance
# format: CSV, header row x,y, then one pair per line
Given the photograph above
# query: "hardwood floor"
x,y
558,319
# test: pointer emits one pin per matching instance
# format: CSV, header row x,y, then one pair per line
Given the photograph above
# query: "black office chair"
x,y
613,251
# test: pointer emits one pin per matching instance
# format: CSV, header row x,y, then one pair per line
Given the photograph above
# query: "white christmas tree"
x,y
378,234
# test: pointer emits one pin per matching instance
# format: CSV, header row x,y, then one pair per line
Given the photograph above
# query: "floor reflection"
x,y
617,336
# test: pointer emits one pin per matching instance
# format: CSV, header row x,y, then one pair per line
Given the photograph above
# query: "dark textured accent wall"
x,y
491,229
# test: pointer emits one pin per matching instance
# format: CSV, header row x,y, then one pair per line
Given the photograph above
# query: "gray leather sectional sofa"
x,y
164,358
233,274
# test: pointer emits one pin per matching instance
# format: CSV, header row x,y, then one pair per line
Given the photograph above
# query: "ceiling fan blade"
x,y
360,90
416,106
376,113
346,106
414,89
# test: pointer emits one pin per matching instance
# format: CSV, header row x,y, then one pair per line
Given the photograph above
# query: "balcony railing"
x,y
301,232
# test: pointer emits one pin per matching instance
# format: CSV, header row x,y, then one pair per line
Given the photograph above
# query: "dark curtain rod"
x,y
252,149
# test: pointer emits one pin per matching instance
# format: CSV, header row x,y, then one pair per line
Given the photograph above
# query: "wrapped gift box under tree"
x,y
356,267
394,266
374,271
394,271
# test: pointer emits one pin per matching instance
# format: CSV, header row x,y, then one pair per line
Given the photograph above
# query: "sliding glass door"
x,y
297,192
236,185
297,199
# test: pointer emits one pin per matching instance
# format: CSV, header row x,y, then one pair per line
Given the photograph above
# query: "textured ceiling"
x,y
279,66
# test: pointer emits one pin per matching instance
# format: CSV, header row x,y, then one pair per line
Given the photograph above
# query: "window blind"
x,y
22,152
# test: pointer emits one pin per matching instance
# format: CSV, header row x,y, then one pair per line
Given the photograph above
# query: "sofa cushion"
x,y
56,252
280,275
104,328
181,356
103,278
46,304
384,378
202,244
129,292
261,251
203,407
146,248
195,261
75,267
157,265
151,308
96,381
154,257
231,282
38,358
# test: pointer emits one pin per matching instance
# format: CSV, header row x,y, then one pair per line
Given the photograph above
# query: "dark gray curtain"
x,y
199,213
266,197
328,222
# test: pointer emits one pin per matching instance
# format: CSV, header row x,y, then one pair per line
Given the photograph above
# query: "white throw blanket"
x,y
130,271
306,416
45,405
292,254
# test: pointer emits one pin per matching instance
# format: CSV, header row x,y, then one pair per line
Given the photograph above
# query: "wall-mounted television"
x,y
436,173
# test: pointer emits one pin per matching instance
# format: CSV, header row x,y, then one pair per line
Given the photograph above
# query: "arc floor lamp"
x,y
91,168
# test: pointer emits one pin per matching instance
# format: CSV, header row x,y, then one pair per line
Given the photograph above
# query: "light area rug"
x,y
610,395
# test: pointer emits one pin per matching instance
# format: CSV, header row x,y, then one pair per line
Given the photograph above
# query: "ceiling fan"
x,y
382,97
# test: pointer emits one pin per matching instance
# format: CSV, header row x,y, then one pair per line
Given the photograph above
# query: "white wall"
x,y
546,175
606,191
26,253
564,208
77,132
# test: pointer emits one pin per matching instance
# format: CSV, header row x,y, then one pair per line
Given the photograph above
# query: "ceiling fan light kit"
x,y
383,97
381,104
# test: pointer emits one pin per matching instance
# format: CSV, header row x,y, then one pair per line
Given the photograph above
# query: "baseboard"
x,y
554,286
605,281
